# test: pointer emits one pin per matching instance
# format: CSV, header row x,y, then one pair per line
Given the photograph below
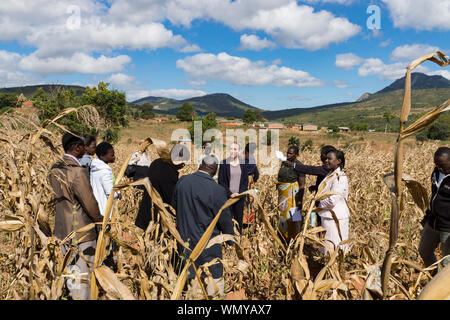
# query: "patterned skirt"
x,y
286,201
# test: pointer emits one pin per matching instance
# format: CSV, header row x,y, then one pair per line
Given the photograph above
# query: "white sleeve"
x,y
340,186
107,184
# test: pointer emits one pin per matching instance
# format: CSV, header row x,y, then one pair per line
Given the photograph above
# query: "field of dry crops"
x,y
257,267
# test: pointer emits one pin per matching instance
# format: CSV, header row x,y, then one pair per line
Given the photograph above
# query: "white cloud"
x,y
191,48
136,94
420,14
9,60
340,84
344,2
78,62
444,73
411,52
46,25
393,71
180,94
242,71
296,26
386,43
122,81
290,24
177,93
253,42
98,36
197,83
9,75
17,79
347,61
139,24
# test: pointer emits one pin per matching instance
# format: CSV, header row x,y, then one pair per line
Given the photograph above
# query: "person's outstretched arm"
x,y
311,170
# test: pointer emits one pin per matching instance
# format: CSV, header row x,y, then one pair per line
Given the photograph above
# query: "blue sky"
x,y
272,54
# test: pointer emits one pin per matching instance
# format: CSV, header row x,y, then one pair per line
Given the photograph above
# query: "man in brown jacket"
x,y
75,207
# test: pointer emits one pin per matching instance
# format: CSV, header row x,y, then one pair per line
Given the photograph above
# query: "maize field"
x,y
260,265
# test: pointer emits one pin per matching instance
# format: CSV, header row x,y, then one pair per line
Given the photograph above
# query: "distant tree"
x,y
361,127
307,145
294,141
333,128
147,111
111,134
186,112
110,104
388,116
50,104
259,115
249,117
8,100
436,131
207,123
289,123
211,116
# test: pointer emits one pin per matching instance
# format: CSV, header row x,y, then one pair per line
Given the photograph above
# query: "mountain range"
x,y
427,92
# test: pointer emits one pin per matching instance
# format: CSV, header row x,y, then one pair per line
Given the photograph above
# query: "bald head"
x,y
209,164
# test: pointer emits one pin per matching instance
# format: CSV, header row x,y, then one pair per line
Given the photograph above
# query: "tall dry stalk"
x,y
442,60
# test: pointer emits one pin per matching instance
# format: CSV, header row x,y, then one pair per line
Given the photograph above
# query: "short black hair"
x,y
295,148
340,155
88,139
70,140
326,149
442,151
103,148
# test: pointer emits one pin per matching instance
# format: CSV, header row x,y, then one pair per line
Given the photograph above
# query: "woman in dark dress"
x,y
163,175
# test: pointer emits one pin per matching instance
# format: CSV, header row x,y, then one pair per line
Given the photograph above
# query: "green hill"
x,y
368,112
29,91
222,104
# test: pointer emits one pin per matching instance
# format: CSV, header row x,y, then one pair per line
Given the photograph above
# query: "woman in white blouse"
x,y
335,181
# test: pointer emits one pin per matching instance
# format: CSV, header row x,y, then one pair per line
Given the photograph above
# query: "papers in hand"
x,y
280,156
297,216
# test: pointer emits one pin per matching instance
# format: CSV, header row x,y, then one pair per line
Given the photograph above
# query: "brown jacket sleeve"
x,y
83,191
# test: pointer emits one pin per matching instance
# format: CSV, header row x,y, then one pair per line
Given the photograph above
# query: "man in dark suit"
x,y
197,199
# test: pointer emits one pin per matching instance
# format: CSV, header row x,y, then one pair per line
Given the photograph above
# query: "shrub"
x,y
294,141
307,145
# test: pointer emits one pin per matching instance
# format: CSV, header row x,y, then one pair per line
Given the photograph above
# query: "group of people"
x,y
331,177
81,188
82,185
